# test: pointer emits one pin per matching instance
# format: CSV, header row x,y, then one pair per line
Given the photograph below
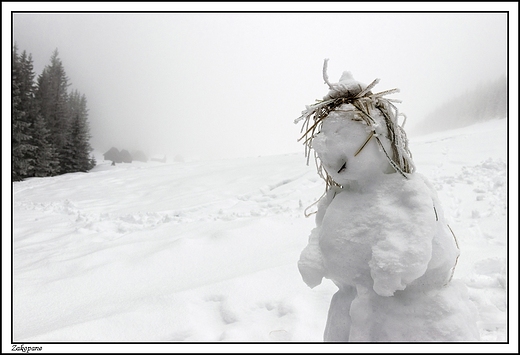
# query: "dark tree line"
x,y
50,129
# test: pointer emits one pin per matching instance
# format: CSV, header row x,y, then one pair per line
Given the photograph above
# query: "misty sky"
x,y
209,85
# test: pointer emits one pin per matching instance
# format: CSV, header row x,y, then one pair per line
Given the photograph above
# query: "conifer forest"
x,y
50,128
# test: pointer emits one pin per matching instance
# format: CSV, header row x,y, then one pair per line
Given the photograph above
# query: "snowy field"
x,y
207,251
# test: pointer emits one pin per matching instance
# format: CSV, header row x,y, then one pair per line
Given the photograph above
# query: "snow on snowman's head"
x,y
346,87
355,133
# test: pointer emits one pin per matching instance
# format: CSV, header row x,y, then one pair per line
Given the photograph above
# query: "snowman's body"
x,y
382,238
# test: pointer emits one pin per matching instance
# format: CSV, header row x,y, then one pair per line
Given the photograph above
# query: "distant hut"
x,y
138,155
114,155
125,156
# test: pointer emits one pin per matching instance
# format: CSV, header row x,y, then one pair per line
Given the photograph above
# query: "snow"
x,y
207,251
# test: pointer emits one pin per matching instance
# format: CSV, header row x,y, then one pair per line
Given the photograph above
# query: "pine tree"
x,y
45,161
19,124
52,97
92,162
25,112
79,144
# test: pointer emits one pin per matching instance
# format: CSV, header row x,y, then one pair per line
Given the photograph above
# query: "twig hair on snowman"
x,y
380,233
352,102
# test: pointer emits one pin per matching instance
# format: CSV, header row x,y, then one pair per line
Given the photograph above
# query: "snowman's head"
x,y
355,134
349,149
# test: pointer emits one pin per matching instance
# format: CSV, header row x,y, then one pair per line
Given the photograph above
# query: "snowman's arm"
x,y
310,264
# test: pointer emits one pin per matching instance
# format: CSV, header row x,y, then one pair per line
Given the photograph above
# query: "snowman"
x,y
380,233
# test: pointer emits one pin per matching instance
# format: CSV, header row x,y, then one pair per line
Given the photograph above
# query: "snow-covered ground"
x,y
207,251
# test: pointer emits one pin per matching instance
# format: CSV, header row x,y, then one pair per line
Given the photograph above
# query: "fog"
x,y
210,85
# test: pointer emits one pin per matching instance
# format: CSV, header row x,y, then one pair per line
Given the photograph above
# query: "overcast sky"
x,y
209,85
